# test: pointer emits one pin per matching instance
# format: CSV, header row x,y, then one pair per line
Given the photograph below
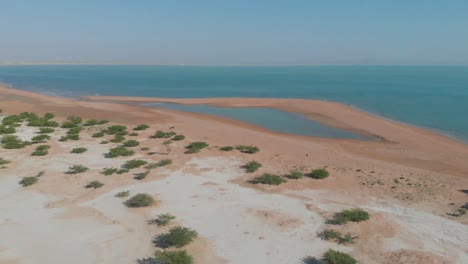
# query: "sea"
x,y
434,97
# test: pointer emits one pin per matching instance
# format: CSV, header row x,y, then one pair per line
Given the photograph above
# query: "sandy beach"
x,y
411,181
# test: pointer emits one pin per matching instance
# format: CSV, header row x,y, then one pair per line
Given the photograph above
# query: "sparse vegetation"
x,y
162,220
351,215
140,200
269,179
172,257
40,174
7,130
12,142
133,134
141,127
40,138
98,134
294,175
135,163
118,139
247,149
333,235
79,150
227,148
145,149
109,171
94,184
162,134
3,161
252,166
40,153
116,129
27,181
176,237
102,122
178,137
131,143
75,169
90,122
119,151
46,130
337,257
141,175
196,147
319,174
104,142
122,194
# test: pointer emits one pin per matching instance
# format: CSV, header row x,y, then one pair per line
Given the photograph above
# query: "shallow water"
x,y
427,96
269,118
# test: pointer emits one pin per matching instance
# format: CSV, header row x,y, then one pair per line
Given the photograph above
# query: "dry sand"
x,y
408,182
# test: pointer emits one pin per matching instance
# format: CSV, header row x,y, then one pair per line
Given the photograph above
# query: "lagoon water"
x,y
429,96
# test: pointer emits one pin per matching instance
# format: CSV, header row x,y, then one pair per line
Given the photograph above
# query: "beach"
x,y
409,179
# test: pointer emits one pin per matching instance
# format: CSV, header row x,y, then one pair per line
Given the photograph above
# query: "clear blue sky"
x,y
237,32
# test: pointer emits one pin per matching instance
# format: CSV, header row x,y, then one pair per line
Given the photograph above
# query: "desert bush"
x,y
49,116
227,148
119,151
252,166
122,171
68,124
43,147
78,150
333,235
141,127
176,237
196,147
131,143
109,171
135,163
42,122
141,175
75,169
167,142
351,215
7,129
11,120
27,181
94,184
98,134
295,175
74,131
178,137
172,257
158,164
40,174
115,129
140,200
145,149
337,257
133,134
70,137
39,153
102,122
90,122
162,220
269,179
12,142
40,138
247,149
118,139
319,174
104,142
122,194
162,134
46,130
4,161
75,119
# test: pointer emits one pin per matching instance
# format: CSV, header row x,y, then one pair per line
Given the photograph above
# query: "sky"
x,y
237,32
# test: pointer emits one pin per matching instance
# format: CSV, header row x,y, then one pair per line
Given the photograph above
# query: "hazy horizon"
x,y
241,33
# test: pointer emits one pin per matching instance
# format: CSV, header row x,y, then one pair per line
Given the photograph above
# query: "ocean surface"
x,y
434,97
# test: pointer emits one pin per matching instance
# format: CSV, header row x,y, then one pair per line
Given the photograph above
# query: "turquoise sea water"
x,y
432,97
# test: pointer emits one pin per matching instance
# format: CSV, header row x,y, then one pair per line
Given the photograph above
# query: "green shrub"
x,y
122,194
117,139
90,122
76,169
131,143
352,215
119,151
178,137
172,257
49,116
122,171
104,142
116,129
40,138
158,164
269,179
333,235
252,166
39,153
12,142
162,220
141,127
227,148
75,119
133,134
319,174
167,142
337,257
295,175
70,137
132,164
94,184
74,131
247,149
27,181
109,171
40,174
7,130
162,134
46,130
98,134
195,147
43,147
4,161
11,120
102,122
140,200
68,124
176,237
145,149
79,150
141,175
